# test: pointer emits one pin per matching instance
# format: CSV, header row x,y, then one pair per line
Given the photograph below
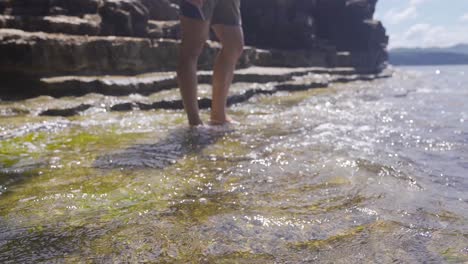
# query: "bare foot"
x,y
195,121
226,121
197,127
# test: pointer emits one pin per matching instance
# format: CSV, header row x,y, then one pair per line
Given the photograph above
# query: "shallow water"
x,y
368,172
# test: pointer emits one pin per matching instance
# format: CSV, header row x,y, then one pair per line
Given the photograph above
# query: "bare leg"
x,y
194,35
232,40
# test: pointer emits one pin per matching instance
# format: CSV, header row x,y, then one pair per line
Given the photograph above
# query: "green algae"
x,y
315,245
200,210
81,140
83,189
331,183
452,255
320,206
72,154
292,99
373,230
78,142
193,206
227,148
241,257
188,194
42,144
15,149
68,211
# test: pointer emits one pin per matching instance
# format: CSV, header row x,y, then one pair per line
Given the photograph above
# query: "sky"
x,y
424,23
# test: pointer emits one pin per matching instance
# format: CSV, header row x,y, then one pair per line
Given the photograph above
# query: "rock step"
x,y
39,54
45,54
89,24
149,83
164,29
107,85
46,7
86,25
298,84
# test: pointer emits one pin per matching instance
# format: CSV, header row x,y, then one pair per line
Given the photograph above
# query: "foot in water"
x,y
212,129
227,121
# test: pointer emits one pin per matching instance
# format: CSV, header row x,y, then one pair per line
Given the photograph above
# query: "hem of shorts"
x,y
227,24
239,24
192,17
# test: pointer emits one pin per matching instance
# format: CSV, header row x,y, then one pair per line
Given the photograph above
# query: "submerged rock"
x,y
165,153
66,112
248,83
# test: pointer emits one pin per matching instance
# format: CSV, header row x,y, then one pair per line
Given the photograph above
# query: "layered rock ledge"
x,y
83,95
61,38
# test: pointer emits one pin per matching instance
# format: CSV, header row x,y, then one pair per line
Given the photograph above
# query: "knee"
x,y
189,54
233,50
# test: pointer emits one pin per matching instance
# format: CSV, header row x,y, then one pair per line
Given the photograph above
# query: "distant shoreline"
x,y
456,55
428,65
427,58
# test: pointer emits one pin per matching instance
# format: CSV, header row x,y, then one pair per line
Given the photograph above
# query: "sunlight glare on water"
x,y
361,172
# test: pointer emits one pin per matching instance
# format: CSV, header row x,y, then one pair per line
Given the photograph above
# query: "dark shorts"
x,y
224,12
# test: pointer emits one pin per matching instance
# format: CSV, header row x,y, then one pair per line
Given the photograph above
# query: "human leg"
x,y
194,34
232,41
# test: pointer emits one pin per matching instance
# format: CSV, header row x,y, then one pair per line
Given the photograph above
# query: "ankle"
x,y
220,120
195,121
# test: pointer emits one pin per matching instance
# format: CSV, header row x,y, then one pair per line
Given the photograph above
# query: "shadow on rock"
x,y
179,143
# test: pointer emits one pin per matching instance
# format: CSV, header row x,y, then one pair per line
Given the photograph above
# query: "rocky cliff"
x,y
49,38
345,29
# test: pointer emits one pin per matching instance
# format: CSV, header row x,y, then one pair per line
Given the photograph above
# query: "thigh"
x,y
231,37
194,34
227,12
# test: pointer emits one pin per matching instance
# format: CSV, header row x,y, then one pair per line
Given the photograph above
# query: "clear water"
x,y
368,172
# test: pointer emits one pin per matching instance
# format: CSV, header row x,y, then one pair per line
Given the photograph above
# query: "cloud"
x,y
419,30
394,16
397,16
464,18
417,2
414,23
427,35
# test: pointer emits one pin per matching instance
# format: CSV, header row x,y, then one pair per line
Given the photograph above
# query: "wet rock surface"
x,y
159,89
67,111
163,154
335,175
